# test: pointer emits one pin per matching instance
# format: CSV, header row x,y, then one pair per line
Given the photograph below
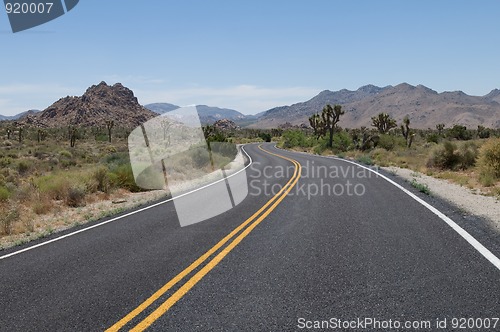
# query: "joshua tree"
x,y
276,132
383,122
20,138
165,125
208,130
109,124
330,117
363,139
317,125
405,128
440,128
41,134
72,140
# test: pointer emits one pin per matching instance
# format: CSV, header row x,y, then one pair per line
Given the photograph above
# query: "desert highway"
x,y
278,257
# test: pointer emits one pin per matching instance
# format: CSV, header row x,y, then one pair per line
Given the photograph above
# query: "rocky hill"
x,y
225,124
100,103
424,106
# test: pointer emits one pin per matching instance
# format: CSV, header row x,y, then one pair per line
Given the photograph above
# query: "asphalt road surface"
x,y
330,241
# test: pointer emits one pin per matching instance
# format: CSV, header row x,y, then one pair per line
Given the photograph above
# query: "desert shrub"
x,y
443,156
433,138
489,159
266,137
8,218
4,194
23,167
292,138
459,132
389,142
101,137
108,149
452,156
468,153
54,186
75,197
321,145
5,162
43,205
341,141
487,179
380,156
201,157
422,187
65,154
365,159
117,159
123,177
100,175
225,149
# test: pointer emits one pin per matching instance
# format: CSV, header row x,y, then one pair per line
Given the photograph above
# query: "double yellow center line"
x,y
245,228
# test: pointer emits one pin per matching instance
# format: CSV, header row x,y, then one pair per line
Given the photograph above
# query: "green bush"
x,y
460,133
293,138
4,194
123,177
100,175
423,188
266,137
65,154
433,138
443,156
468,153
389,142
55,186
5,162
365,159
452,156
341,142
489,159
23,167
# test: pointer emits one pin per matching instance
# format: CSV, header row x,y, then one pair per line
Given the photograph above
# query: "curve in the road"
x,y
485,252
244,229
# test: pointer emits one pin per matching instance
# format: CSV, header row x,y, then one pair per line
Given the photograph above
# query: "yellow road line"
x,y
125,320
163,308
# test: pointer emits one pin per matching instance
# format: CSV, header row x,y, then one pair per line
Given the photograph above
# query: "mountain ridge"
x,y
424,106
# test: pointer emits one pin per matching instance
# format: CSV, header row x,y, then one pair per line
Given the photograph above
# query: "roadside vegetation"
x,y
468,157
52,179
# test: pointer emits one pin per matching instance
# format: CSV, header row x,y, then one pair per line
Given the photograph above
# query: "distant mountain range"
x,y
18,116
207,114
424,106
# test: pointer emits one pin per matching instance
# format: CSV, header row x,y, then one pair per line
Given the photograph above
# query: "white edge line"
x,y
125,215
462,232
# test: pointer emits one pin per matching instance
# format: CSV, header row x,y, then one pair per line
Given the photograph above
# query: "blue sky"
x,y
250,55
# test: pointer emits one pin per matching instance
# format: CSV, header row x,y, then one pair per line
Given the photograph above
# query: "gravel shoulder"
x,y
471,201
